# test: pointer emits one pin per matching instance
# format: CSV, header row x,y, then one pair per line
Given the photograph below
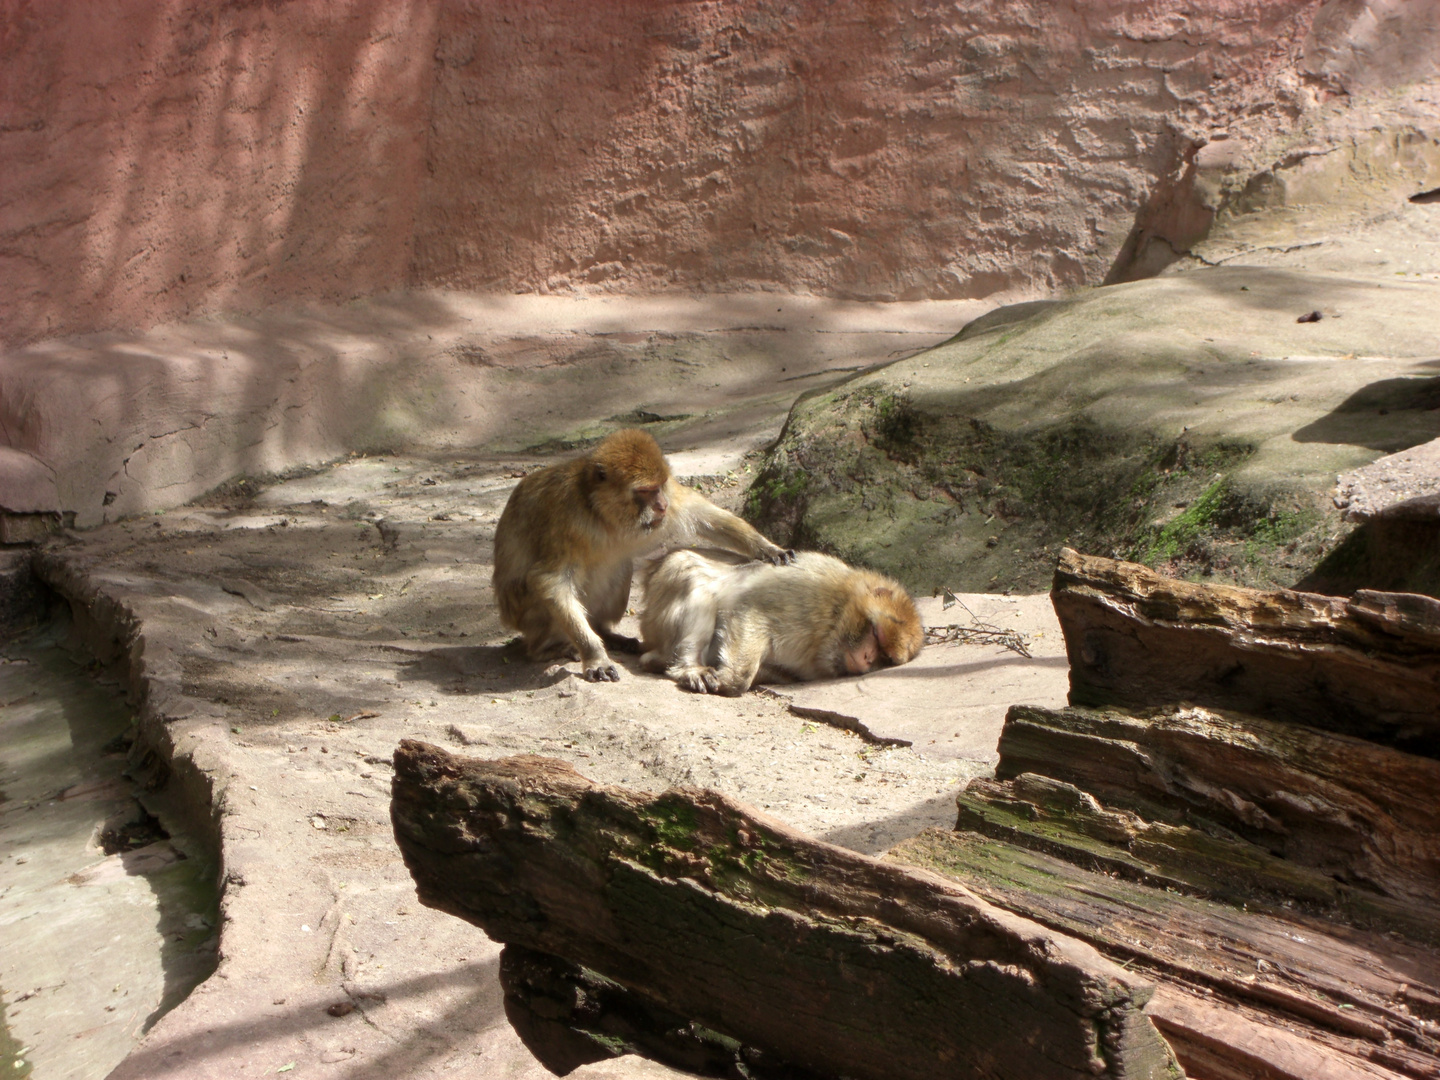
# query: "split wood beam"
x,y
838,963
1367,666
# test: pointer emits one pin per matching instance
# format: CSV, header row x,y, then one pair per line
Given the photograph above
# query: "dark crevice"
x,y
142,832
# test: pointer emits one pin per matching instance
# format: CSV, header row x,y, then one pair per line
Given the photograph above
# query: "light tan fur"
x,y
569,534
715,627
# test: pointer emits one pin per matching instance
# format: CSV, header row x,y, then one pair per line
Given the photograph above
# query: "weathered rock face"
x,y
112,425
1188,421
1333,180
912,150
169,158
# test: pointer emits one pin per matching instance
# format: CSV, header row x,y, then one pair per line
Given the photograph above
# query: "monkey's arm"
x,y
709,525
557,592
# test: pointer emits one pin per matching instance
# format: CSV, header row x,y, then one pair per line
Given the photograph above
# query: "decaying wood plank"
x,y
1406,615
1049,815
1351,997
1362,813
570,1016
831,960
1368,667
1223,1043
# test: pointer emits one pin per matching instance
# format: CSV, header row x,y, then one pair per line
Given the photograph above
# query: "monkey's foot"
x,y
601,671
696,679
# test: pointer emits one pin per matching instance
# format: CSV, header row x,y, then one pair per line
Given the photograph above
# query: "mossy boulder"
x,y
1189,421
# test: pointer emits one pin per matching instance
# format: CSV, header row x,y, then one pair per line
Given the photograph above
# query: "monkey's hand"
x,y
780,556
601,670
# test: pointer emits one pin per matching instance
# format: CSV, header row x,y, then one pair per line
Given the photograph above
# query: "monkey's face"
x,y
863,654
629,482
650,505
892,634
629,503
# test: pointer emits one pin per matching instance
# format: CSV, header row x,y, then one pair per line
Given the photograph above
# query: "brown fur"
x,y
716,627
568,537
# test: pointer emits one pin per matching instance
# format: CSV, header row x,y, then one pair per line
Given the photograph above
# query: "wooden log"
x,y
1222,1042
570,1016
1296,993
1368,667
1361,813
830,960
1044,814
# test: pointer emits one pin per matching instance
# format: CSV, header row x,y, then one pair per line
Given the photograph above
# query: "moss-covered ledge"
x,y
1186,422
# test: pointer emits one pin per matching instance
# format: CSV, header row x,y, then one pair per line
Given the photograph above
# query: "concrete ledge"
x,y
113,425
27,484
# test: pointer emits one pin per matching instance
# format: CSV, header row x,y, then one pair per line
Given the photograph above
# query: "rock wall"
x,y
864,150
169,157
165,157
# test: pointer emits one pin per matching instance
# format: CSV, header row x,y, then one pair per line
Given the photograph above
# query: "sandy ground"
x,y
93,945
285,635
281,636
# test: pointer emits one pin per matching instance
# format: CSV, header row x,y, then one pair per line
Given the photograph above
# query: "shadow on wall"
x,y
173,157
167,157
1389,554
114,425
154,421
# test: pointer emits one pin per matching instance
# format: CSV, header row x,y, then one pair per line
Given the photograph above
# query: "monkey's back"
x,y
813,610
544,526
793,609
682,587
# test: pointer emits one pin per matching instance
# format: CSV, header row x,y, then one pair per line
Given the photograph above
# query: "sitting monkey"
x,y
717,627
568,536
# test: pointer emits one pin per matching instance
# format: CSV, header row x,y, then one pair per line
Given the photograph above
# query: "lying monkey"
x,y
567,538
715,626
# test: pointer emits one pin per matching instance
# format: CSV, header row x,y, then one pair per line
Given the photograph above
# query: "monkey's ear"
x,y
599,473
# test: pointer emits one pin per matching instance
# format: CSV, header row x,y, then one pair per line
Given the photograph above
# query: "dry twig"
x,y
976,632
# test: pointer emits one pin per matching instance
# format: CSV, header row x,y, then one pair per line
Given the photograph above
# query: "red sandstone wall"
x,y
160,158
853,148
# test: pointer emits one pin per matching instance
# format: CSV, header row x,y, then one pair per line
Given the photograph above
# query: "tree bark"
x,y
1243,993
827,959
1368,667
1359,813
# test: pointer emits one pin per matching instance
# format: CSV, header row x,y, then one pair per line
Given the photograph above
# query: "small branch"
x,y
975,632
